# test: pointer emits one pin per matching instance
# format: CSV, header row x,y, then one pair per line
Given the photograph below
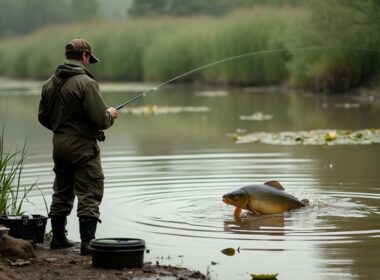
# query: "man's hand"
x,y
113,112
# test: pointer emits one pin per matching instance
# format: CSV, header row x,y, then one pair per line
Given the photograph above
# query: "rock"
x,y
14,248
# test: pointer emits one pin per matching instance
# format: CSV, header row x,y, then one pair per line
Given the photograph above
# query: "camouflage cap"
x,y
81,45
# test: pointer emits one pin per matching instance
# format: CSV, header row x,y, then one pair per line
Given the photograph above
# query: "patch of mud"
x,y
68,264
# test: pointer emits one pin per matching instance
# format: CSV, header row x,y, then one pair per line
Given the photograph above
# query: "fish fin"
x,y
237,212
275,184
254,211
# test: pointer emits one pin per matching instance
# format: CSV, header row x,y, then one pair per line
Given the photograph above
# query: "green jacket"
x,y
80,110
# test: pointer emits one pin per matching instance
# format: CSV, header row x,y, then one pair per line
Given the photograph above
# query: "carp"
x,y
268,198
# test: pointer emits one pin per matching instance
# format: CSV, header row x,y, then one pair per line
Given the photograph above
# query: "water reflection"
x,y
165,176
267,224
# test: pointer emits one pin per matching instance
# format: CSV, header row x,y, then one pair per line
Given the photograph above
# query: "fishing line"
x,y
233,58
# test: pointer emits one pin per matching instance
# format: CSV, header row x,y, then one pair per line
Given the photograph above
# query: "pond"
x,y
171,156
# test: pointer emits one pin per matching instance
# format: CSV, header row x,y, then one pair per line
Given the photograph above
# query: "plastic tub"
x,y
118,252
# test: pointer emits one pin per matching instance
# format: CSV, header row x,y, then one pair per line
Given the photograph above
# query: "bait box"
x,y
28,227
118,252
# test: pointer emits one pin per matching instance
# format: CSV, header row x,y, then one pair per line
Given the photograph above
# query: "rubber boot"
x,y
59,239
87,229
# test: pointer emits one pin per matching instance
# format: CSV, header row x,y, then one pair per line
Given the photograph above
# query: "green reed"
x,y
12,194
159,49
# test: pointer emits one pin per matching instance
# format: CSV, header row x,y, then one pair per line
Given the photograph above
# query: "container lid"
x,y
118,243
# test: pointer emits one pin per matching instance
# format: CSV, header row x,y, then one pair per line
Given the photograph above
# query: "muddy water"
x,y
166,174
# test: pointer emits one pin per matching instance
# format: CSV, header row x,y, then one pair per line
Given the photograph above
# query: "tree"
x,y
22,16
82,10
197,7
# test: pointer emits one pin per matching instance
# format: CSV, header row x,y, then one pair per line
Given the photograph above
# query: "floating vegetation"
x,y
158,110
264,276
10,87
313,137
343,105
228,251
124,87
258,116
348,105
214,93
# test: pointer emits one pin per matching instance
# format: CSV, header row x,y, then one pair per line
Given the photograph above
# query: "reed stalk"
x,y
13,194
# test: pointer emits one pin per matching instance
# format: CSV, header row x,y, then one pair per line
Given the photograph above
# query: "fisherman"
x,y
71,106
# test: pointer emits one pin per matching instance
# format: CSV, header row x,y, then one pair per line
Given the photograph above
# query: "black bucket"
x,y
118,252
26,227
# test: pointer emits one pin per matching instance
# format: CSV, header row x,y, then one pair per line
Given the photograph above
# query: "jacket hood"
x,y
71,68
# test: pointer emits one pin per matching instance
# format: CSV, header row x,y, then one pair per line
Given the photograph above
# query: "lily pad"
x,y
312,137
214,93
161,110
228,251
348,105
264,276
258,116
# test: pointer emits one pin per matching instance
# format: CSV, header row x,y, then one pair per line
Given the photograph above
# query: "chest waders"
x,y
78,173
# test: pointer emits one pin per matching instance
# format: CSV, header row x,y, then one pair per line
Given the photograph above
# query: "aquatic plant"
x,y
228,251
12,193
264,276
312,137
160,110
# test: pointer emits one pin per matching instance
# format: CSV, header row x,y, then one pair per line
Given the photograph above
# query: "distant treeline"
x,y
161,48
23,16
144,8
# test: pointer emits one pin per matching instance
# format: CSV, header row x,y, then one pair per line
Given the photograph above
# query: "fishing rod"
x,y
233,58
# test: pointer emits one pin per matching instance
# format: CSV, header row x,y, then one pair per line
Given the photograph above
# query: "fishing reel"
x,y
101,136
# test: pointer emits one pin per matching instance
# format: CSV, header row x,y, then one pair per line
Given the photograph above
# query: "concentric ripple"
x,y
174,203
181,196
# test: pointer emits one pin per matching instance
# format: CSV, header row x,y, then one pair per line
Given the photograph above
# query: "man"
x,y
71,106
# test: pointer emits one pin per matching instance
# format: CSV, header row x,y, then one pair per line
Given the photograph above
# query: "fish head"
x,y
238,198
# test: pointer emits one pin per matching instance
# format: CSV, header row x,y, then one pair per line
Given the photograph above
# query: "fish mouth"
x,y
226,200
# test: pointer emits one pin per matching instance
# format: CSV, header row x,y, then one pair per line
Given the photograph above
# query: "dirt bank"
x,y
68,264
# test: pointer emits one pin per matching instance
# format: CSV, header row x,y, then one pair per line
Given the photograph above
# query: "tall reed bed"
x,y
159,49
206,41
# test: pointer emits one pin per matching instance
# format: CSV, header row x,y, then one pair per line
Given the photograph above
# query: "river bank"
x,y
69,264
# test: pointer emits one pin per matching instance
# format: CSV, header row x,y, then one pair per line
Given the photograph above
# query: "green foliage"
x,y
160,48
181,7
244,32
12,194
83,10
23,16
146,8
345,24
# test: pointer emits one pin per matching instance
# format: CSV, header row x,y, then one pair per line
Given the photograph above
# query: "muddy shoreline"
x,y
69,264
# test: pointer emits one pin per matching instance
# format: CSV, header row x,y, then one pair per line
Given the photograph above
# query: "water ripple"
x,y
175,201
